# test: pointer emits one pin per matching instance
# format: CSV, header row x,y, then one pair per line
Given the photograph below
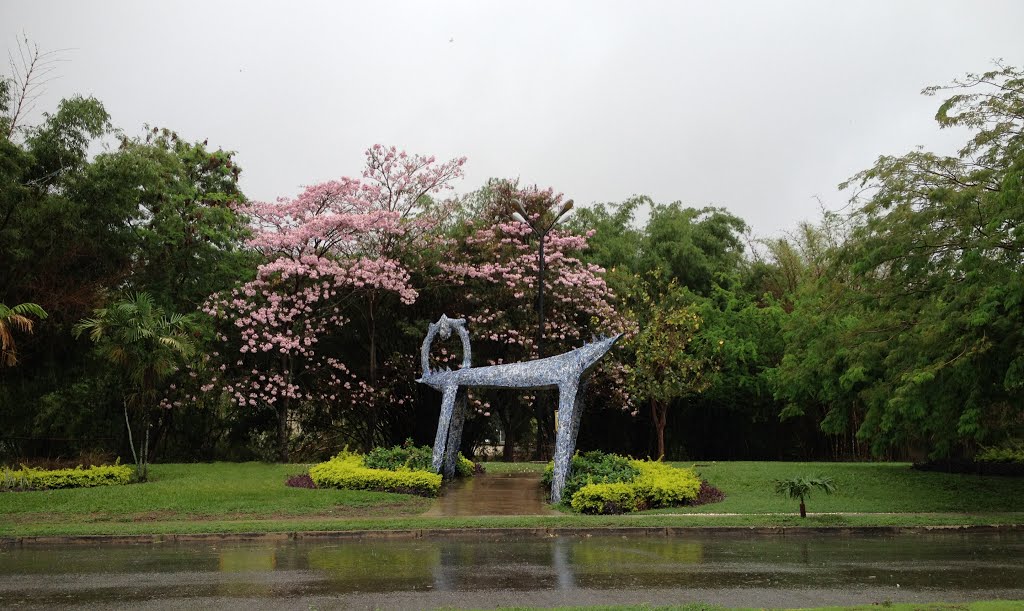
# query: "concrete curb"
x,y
498,534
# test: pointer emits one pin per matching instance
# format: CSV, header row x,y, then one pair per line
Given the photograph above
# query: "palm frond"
x,y
15,318
26,309
22,323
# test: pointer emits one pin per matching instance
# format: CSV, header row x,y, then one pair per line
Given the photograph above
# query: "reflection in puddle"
x,y
936,563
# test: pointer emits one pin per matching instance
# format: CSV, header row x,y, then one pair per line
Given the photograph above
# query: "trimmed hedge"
x,y
608,483
28,478
616,497
661,485
346,470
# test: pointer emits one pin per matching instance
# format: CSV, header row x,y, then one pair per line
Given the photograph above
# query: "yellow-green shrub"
x,y
28,478
661,485
616,497
346,470
464,467
657,485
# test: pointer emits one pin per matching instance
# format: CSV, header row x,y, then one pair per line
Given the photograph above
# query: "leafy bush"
x,y
409,456
1005,454
415,457
464,467
608,483
594,467
28,478
616,497
406,456
661,485
347,470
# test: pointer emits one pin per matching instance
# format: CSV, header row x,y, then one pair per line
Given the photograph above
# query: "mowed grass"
x,y
252,497
514,467
865,487
860,488
217,491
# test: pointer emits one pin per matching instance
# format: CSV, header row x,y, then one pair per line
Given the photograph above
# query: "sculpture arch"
x,y
566,372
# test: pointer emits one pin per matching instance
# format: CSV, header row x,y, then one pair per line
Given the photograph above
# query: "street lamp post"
x,y
540,228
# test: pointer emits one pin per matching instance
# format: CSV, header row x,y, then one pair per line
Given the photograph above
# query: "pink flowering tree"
x,y
409,189
335,249
497,267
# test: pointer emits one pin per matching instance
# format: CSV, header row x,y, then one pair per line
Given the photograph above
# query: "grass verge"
x,y
860,487
252,497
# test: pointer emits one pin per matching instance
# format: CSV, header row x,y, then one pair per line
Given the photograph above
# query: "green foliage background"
x,y
895,329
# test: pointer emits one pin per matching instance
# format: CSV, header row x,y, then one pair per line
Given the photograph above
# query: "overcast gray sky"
x,y
754,106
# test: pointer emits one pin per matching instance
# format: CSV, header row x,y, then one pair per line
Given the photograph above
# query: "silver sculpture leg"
x,y
451,451
577,415
443,424
565,441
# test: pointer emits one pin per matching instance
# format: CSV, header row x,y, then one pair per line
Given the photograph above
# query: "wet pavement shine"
x,y
493,494
734,569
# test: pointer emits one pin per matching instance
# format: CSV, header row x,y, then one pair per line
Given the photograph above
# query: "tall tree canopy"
x,y
919,324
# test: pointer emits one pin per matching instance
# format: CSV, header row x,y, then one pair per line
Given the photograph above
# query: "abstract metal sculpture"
x,y
566,372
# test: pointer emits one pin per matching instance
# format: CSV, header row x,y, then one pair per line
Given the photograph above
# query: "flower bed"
x,y
405,469
607,483
346,470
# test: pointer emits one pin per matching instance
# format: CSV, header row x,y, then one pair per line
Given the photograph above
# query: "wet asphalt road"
x,y
731,570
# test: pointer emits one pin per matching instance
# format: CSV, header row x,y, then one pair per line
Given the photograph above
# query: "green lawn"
x,y
514,467
861,487
203,492
252,497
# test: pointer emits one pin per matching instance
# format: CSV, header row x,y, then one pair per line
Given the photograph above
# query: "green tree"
x,y
155,214
187,232
146,346
914,336
742,334
11,318
617,243
696,248
800,487
669,365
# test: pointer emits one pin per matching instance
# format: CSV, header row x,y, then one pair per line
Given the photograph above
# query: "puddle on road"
x,y
942,566
493,494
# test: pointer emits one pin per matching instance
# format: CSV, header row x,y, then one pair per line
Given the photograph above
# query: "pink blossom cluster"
x,y
500,278
336,243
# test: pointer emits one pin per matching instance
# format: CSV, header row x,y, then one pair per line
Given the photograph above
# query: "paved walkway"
x,y
497,494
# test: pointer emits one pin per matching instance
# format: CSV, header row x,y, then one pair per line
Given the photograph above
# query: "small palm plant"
x,y
146,346
800,488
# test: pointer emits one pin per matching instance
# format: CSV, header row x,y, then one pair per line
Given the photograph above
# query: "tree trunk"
x,y
803,509
371,429
282,429
372,328
659,413
131,444
508,450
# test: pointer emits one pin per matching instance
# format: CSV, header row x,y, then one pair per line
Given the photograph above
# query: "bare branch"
x,y
31,71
